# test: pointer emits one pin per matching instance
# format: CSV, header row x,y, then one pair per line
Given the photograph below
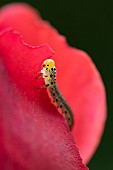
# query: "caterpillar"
x,y
49,75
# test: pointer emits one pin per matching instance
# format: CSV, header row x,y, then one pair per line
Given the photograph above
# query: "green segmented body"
x,y
49,75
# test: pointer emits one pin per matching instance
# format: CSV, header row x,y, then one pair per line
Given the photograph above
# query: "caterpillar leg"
x,y
42,87
38,75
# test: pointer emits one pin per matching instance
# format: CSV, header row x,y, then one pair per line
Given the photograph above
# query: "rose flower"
x,y
34,136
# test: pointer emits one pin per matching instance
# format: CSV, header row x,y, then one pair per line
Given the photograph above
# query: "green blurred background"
x,y
87,25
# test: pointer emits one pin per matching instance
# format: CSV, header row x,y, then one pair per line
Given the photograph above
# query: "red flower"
x,y
33,134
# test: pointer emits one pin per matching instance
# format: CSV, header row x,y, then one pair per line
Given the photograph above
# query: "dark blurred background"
x,y
87,25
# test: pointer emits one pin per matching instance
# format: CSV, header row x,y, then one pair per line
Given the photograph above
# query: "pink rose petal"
x,y
78,78
33,134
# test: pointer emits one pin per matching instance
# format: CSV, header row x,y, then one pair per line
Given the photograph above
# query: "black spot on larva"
x,y
46,68
52,69
60,106
56,100
54,75
51,83
53,94
43,65
51,75
47,85
65,112
47,64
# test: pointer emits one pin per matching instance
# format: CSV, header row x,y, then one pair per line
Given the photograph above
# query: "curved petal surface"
x,y
78,78
33,134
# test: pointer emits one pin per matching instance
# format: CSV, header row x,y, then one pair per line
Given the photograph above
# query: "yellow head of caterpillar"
x,y
48,63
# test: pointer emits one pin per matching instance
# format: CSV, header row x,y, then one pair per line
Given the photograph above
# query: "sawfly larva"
x,y
49,75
